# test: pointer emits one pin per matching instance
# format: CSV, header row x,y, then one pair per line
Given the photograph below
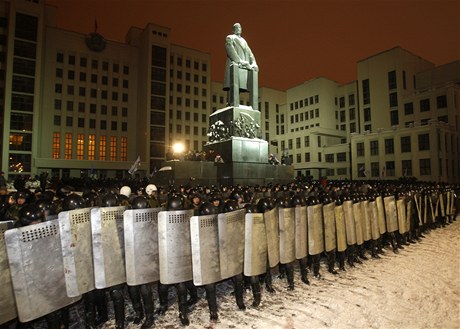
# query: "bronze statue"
x,y
241,69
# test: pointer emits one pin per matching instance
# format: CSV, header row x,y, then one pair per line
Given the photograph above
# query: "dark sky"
x,y
293,40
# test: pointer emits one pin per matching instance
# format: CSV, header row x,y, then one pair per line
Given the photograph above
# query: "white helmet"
x,y
126,191
150,188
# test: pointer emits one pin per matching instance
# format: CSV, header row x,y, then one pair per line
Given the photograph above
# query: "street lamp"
x,y
178,148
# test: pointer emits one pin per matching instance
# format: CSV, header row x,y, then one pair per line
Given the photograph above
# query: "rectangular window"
x,y
394,118
424,142
351,100
113,148
360,149
91,146
68,146
307,141
389,146
375,171
124,149
367,114
80,146
406,166
329,158
341,157
56,145
425,167
424,105
409,108
441,102
361,169
390,168
393,99
366,92
392,80
307,157
102,147
352,114
374,145
405,144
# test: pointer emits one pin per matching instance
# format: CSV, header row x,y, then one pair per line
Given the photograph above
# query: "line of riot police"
x,y
60,249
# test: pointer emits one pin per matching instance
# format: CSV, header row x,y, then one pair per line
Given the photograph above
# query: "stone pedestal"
x,y
239,149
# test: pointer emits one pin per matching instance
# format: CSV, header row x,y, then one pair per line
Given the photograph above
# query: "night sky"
x,y
293,40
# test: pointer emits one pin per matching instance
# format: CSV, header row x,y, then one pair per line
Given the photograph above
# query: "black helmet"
x,y
175,202
139,202
325,199
64,191
281,202
24,194
264,205
109,200
72,202
30,213
312,200
231,205
48,195
46,206
297,200
90,199
250,208
207,208
236,195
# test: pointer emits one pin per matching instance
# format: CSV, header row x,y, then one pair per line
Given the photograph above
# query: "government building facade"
x,y
76,105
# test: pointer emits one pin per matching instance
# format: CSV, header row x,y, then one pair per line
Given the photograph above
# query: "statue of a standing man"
x,y
241,69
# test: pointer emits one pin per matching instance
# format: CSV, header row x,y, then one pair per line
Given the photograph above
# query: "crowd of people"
x,y
367,218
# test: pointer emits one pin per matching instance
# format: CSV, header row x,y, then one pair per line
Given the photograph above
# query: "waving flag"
x,y
136,165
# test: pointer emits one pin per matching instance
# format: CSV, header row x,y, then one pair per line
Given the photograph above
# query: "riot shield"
x,y
77,250
204,238
380,215
373,215
174,246
255,245
273,238
108,246
367,216
442,204
37,270
141,245
391,216
349,222
409,205
359,222
418,207
287,235
301,242
315,229
425,209
340,228
7,303
330,237
401,210
231,242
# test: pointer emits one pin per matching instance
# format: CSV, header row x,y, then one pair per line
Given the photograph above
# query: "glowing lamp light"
x,y
178,148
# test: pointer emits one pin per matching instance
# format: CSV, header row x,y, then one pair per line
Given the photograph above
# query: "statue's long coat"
x,y
237,51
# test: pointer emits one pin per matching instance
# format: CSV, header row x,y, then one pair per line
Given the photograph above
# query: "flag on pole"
x,y
136,165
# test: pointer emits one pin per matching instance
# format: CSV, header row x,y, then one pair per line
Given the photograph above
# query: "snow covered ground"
x,y
417,288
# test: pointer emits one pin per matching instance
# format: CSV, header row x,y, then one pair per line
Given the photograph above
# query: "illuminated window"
x,y
124,148
68,145
91,146
102,147
56,145
113,148
80,146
